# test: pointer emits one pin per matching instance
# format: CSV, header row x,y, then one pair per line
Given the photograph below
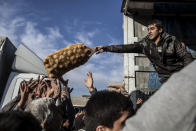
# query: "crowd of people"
x,y
52,107
45,104
46,100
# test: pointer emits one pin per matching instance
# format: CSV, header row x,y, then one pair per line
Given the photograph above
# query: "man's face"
x,y
153,32
119,124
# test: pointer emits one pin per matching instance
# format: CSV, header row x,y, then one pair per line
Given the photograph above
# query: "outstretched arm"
x,y
65,89
67,106
137,47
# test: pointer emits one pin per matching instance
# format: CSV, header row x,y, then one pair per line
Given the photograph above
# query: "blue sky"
x,y
46,26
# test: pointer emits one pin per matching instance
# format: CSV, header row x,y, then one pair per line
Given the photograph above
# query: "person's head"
x,y
45,110
18,121
107,111
155,28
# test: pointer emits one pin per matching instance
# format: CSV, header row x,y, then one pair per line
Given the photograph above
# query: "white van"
x,y
23,65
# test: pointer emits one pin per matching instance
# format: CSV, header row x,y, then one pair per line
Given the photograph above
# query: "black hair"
x,y
18,121
157,23
104,108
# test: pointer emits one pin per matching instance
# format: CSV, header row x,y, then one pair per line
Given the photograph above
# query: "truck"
x,y
16,65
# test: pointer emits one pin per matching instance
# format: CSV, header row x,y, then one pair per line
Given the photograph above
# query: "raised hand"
x,y
39,84
24,90
31,83
56,87
49,90
66,89
64,95
89,82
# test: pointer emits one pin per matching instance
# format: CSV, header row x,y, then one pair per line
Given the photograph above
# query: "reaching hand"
x,y
89,83
30,97
49,90
63,95
99,49
56,88
31,83
65,89
23,93
40,86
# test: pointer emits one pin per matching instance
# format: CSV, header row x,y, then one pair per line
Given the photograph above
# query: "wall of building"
x,y
138,71
136,66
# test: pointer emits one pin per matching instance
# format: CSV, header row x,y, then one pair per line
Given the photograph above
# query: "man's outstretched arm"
x,y
137,47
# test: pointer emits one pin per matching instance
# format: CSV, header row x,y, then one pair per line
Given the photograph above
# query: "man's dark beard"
x,y
155,38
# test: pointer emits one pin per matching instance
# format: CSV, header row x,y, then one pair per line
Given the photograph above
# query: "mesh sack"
x,y
66,59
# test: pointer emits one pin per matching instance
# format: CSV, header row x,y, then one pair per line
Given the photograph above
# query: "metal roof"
x,y
152,7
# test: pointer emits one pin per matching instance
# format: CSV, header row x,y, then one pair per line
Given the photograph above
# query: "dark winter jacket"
x,y
167,57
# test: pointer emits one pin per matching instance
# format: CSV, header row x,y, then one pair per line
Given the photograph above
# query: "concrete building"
x,y
178,17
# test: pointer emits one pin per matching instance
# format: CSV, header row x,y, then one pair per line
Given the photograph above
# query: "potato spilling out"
x,y
66,59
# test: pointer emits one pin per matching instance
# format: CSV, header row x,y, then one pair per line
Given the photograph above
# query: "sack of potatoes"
x,y
66,59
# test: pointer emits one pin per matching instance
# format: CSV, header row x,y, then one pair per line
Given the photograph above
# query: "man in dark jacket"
x,y
165,52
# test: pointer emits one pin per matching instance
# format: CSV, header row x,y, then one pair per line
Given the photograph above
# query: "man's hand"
x,y
66,90
32,83
30,97
56,88
49,90
139,101
99,49
40,86
89,83
23,93
63,95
